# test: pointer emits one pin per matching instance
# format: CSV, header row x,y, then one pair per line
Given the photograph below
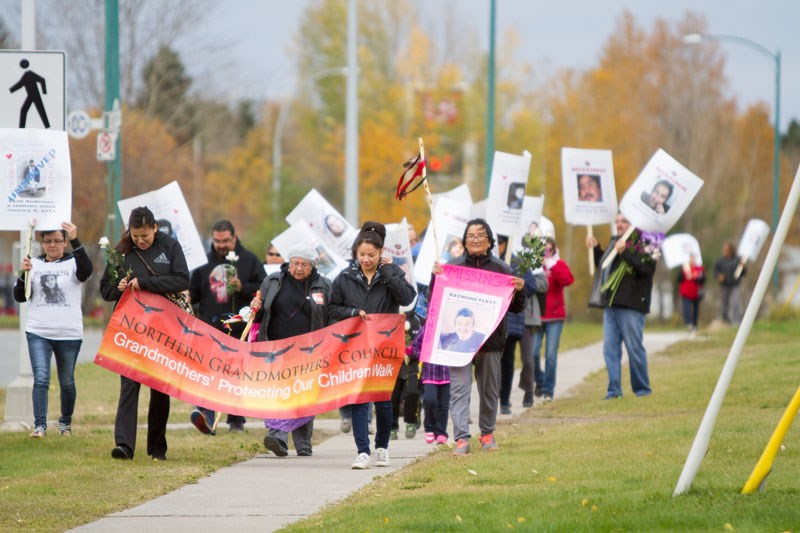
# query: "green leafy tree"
x,y
165,93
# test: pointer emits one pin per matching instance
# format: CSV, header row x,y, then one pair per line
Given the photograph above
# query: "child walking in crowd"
x,y
405,396
435,398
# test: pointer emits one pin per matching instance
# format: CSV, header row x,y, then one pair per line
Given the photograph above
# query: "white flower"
x,y
232,257
104,242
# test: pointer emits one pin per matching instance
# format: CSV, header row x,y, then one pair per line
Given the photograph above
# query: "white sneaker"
x,y
381,457
361,462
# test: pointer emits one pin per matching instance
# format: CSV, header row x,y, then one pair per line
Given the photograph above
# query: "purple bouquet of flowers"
x,y
646,245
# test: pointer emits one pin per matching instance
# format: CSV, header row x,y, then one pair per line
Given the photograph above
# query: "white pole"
x,y
701,440
351,118
18,395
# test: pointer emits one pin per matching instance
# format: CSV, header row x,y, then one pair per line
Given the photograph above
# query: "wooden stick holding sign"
x,y
250,318
613,253
590,235
739,268
428,196
28,245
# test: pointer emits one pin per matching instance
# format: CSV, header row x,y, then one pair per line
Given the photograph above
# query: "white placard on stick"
x,y
330,262
397,246
661,194
451,220
678,248
173,217
529,222
590,195
753,238
459,194
325,222
507,191
36,179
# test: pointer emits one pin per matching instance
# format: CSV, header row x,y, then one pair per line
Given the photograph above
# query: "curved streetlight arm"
x,y
694,38
276,143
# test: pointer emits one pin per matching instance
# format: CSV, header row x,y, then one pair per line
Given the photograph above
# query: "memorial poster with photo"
x,y
678,248
325,221
397,246
661,194
330,262
590,195
507,191
451,219
466,306
173,217
529,221
37,179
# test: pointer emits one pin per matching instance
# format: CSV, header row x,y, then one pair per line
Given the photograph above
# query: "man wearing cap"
x,y
294,301
219,289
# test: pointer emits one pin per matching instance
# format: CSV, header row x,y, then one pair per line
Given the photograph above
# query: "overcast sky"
x,y
562,34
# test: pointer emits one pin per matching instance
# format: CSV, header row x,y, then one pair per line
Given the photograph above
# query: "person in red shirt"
x,y
691,279
553,316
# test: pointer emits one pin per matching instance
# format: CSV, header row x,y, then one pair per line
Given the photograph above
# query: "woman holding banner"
x,y
151,261
294,301
370,284
478,241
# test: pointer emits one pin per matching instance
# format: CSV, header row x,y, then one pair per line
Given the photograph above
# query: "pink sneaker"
x,y
441,439
429,438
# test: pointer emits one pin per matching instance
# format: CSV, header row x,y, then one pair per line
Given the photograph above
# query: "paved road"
x,y
9,351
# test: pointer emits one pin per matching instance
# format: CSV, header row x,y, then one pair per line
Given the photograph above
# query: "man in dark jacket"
x,y
725,270
623,318
478,242
219,289
294,301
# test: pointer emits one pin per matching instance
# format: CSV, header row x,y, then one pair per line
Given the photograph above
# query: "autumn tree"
x,y
650,91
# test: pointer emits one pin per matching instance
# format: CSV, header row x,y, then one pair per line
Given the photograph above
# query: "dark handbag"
x,y
599,297
180,298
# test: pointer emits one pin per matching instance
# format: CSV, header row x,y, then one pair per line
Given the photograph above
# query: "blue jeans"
x,y
621,325
691,310
383,425
436,404
547,380
346,411
40,350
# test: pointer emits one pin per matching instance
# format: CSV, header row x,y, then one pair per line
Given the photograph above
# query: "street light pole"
x,y
490,97
695,38
277,135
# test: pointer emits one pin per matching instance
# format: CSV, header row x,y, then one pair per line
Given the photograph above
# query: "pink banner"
x,y
466,306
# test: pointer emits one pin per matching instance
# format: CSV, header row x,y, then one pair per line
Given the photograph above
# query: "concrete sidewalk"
x,y
268,492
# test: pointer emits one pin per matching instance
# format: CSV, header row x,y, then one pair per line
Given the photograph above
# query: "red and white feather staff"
x,y
416,167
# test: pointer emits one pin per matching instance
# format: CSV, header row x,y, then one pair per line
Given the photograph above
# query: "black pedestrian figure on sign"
x,y
31,81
